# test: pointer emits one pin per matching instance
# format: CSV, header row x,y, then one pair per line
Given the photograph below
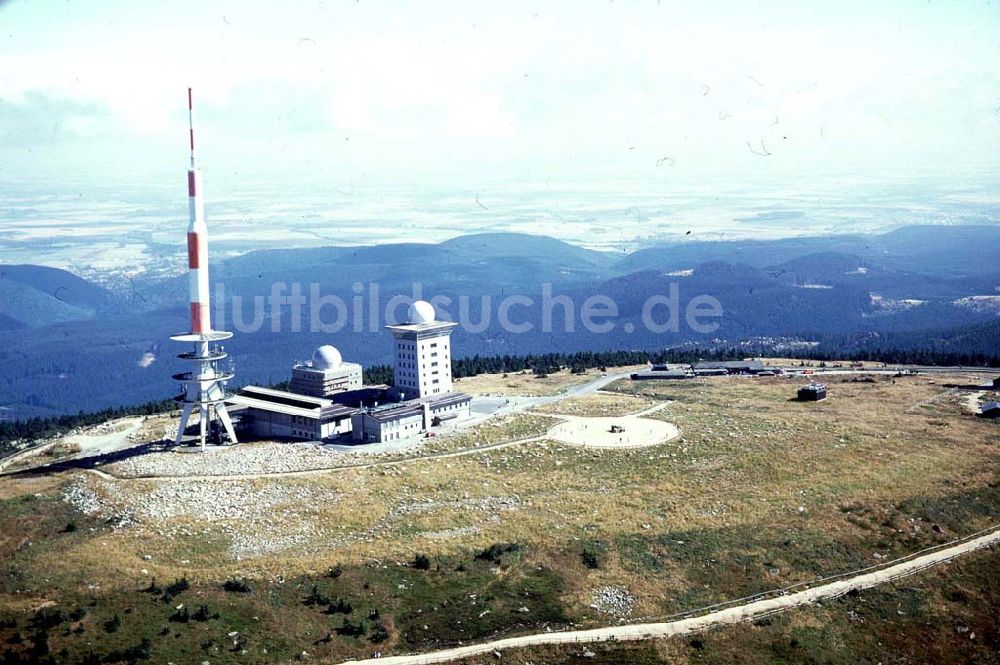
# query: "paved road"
x,y
729,615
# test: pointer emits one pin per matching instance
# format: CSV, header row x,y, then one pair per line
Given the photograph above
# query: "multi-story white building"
x,y
325,375
327,399
423,354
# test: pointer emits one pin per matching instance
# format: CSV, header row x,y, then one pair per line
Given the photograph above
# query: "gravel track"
x,y
721,617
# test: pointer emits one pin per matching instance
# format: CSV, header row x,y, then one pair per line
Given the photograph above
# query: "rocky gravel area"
x,y
447,534
242,460
613,600
258,517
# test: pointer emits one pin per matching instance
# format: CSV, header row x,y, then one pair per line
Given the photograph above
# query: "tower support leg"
x,y
203,425
227,422
185,416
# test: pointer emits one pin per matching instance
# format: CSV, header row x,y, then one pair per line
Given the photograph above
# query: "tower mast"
x,y
203,388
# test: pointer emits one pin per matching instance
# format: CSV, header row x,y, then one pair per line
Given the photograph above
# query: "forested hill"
x,y
927,288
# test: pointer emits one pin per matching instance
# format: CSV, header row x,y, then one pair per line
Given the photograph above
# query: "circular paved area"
x,y
596,432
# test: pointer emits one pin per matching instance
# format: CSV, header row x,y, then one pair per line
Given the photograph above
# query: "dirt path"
x,y
931,400
972,401
780,602
90,444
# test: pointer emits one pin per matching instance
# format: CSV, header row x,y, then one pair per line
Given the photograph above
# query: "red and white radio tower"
x,y
203,389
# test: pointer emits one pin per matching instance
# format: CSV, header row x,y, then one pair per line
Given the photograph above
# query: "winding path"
x,y
770,603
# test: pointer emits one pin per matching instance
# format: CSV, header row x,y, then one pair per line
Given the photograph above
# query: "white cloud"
x,y
564,81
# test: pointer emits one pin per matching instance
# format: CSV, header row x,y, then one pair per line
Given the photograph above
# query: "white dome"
x,y
326,357
421,311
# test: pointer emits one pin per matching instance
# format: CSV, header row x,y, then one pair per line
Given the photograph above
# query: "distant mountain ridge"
x,y
930,250
850,288
33,296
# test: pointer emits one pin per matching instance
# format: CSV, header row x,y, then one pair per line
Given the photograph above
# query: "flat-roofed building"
x,y
280,414
325,374
990,410
731,366
400,420
665,373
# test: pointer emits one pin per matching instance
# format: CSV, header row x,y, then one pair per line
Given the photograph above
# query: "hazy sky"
x,y
436,90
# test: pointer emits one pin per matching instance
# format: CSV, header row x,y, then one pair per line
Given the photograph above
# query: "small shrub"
x,y
202,613
47,618
77,614
422,562
591,557
235,585
141,651
339,607
177,586
113,624
351,629
133,654
316,598
494,553
335,572
957,596
69,528
379,633
174,588
181,616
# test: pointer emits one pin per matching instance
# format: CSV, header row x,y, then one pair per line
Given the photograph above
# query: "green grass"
x,y
869,477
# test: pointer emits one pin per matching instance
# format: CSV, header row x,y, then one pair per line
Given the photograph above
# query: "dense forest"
x,y
40,428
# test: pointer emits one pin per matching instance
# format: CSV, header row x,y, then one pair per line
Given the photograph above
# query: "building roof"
x,y
366,396
730,364
813,387
413,407
292,404
342,369
662,374
420,328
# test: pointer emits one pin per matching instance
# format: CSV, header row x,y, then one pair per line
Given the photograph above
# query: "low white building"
x,y
325,375
327,398
400,420
270,413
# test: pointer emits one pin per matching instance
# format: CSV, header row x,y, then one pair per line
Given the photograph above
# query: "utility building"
x,y
277,413
813,392
711,368
325,375
404,419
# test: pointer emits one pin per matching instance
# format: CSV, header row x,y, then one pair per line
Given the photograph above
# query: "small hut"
x,y
813,392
